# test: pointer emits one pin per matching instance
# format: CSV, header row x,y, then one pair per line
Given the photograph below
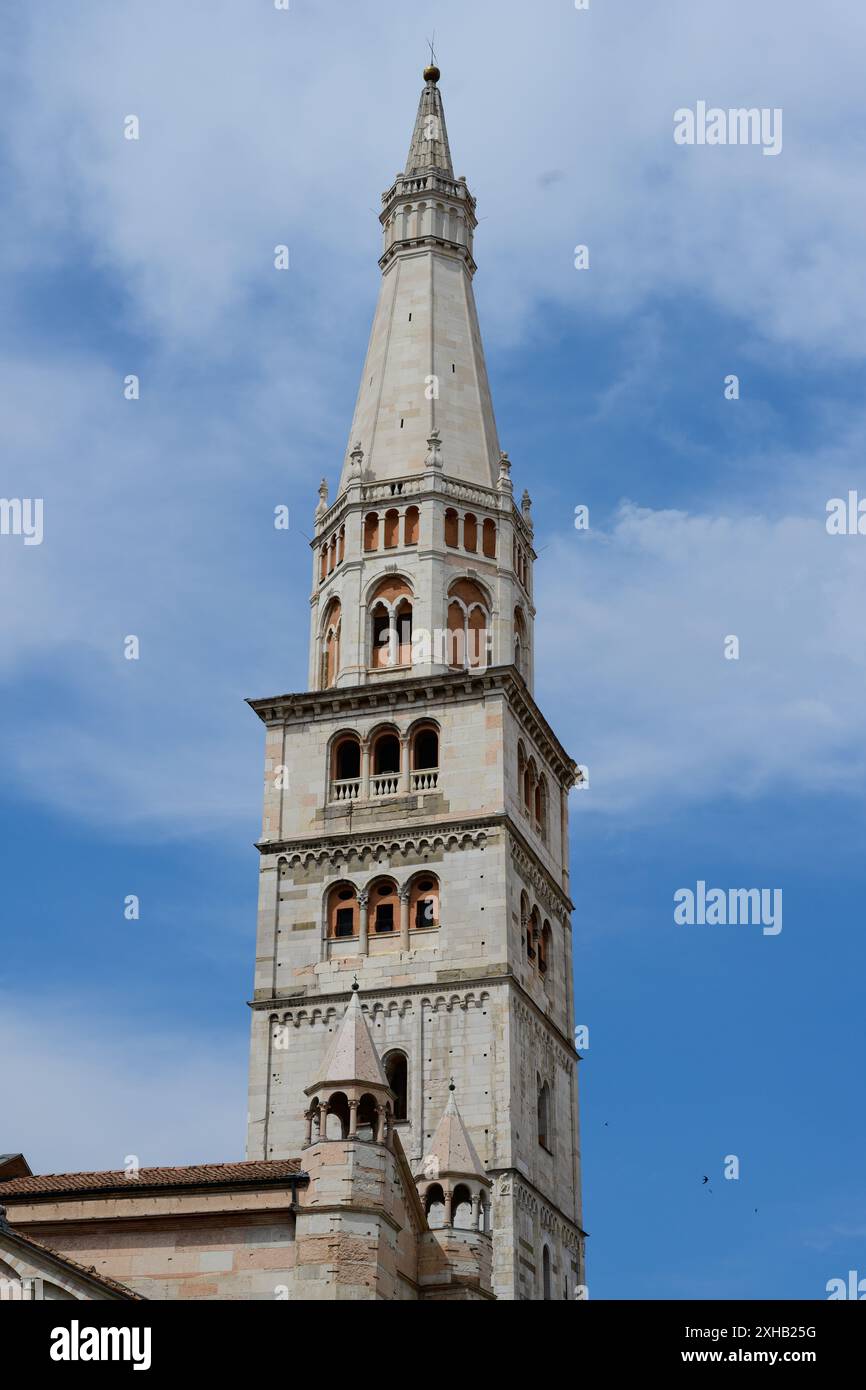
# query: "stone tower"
x,y
415,815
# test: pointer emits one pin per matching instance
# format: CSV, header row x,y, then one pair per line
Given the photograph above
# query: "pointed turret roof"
x,y
429,147
452,1148
352,1056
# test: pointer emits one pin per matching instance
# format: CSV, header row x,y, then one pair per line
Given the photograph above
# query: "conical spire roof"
x,y
452,1148
352,1056
425,369
429,147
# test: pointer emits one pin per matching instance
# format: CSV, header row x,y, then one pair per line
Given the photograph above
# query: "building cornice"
x,y
456,686
345,844
501,974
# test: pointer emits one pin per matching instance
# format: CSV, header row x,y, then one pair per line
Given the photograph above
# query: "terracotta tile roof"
x,y
42,1246
195,1175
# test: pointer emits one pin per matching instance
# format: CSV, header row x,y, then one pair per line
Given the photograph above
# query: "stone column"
x,y
365,771
323,1120
404,764
449,1219
474,1220
308,1118
353,1119
363,900
380,1124
404,918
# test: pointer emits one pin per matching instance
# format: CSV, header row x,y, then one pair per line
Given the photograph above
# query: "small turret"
x,y
352,1085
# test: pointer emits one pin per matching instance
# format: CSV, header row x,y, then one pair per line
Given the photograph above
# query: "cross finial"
x,y
431,72
355,985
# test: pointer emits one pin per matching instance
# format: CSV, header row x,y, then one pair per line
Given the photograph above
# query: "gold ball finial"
x,y
432,73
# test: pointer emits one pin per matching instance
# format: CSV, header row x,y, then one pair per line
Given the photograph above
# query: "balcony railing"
x,y
346,790
385,784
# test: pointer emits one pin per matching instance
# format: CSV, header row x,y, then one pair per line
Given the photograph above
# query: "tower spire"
x,y
429,149
425,367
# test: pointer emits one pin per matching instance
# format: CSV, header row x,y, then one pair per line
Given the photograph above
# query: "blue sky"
x,y
707,518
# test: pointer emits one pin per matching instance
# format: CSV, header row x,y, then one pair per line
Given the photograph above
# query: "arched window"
x,y
541,805
371,531
543,1113
383,906
521,770
341,545
386,753
470,532
434,1206
367,1117
331,644
521,644
468,625
391,624
337,1122
392,529
410,526
524,922
332,553
343,911
488,539
346,767
544,948
425,748
529,776
533,933
396,1066
545,1273
424,902
323,563
461,1208
403,629
452,537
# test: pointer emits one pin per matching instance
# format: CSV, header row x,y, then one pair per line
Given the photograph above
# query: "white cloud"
x,y
632,622
260,126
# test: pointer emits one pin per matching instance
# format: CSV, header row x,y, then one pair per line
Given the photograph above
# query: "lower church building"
x,y
413,1117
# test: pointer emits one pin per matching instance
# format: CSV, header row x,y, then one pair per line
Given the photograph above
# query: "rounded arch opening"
x,y
396,1065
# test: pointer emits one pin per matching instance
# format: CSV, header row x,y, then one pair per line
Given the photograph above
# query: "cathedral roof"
x,y
352,1056
452,1148
192,1175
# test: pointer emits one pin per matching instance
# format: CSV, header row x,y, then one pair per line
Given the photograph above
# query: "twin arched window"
x,y
469,632
521,644
391,624
331,631
532,789
536,937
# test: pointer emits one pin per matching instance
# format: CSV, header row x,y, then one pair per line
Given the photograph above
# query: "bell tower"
x,y
415,811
